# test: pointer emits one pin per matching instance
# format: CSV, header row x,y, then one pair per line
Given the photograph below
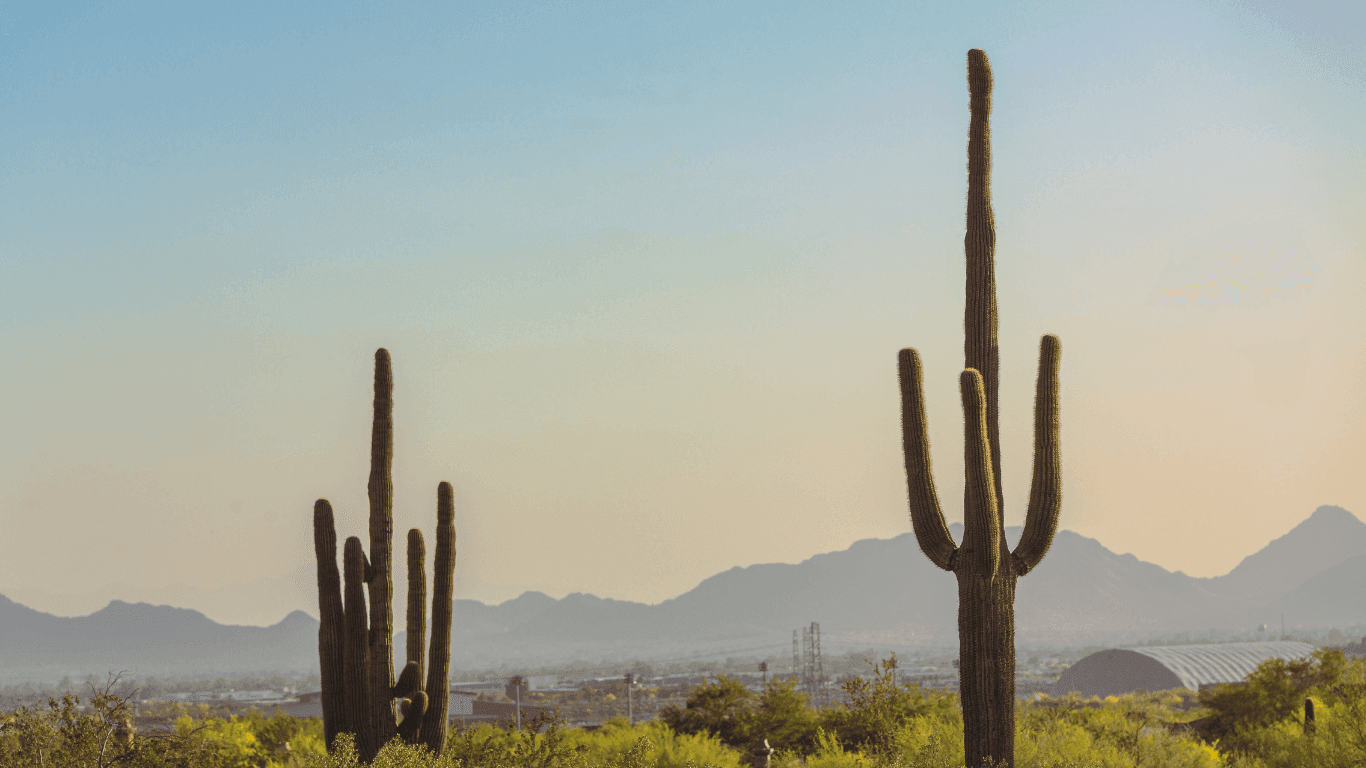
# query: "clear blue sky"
x,y
644,270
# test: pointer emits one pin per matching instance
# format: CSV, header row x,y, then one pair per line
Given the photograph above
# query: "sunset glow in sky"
x,y
644,270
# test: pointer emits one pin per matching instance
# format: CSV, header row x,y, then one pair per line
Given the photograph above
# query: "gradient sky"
x,y
644,269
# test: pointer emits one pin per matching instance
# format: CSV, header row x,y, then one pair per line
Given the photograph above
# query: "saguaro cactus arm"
x,y
381,493
417,603
926,517
443,594
413,711
358,717
408,681
980,349
981,550
1045,492
331,634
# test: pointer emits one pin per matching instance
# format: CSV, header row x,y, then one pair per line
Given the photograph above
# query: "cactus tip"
x,y
969,379
979,72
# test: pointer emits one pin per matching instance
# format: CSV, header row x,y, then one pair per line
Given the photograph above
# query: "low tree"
x,y
724,709
784,716
1273,693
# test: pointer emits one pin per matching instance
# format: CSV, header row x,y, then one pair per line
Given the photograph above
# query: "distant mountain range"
x,y
879,593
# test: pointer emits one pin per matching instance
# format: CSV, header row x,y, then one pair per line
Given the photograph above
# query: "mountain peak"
x,y
1333,514
1328,537
530,597
296,617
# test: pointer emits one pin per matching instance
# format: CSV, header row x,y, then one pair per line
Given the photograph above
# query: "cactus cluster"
x,y
984,565
355,653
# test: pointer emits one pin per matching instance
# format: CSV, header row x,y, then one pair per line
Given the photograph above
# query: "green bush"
x,y
667,748
1121,732
1339,737
253,740
99,735
724,709
616,745
1272,694
879,709
739,718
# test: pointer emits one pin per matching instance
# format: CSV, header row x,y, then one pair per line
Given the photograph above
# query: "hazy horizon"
x,y
297,591
644,272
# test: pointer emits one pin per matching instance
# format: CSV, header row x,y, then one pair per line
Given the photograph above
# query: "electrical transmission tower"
x,y
812,671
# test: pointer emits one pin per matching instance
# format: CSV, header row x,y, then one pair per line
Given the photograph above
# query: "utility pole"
x,y
630,714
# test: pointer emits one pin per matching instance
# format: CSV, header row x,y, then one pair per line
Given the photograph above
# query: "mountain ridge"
x,y
877,591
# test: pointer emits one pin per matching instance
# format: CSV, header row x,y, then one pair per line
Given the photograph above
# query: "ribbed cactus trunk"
x,y
331,635
439,661
355,641
381,492
985,567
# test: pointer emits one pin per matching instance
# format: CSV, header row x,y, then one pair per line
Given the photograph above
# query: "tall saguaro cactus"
x,y
355,645
984,565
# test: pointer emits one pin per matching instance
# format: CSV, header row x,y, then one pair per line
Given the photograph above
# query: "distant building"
x,y
465,709
473,711
1164,667
305,705
1355,649
209,697
541,682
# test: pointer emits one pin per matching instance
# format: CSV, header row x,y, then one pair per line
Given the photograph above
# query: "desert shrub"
x,y
544,743
616,745
254,740
930,741
1119,732
879,709
831,753
654,743
395,754
99,735
1272,694
1338,739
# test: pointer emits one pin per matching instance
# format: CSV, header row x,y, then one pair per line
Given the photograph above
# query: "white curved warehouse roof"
x,y
1163,667
1198,665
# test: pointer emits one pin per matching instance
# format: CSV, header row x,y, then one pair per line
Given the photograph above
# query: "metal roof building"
x,y
1163,667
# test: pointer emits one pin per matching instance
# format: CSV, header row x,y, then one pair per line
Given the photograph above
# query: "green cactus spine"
x,y
986,569
355,645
